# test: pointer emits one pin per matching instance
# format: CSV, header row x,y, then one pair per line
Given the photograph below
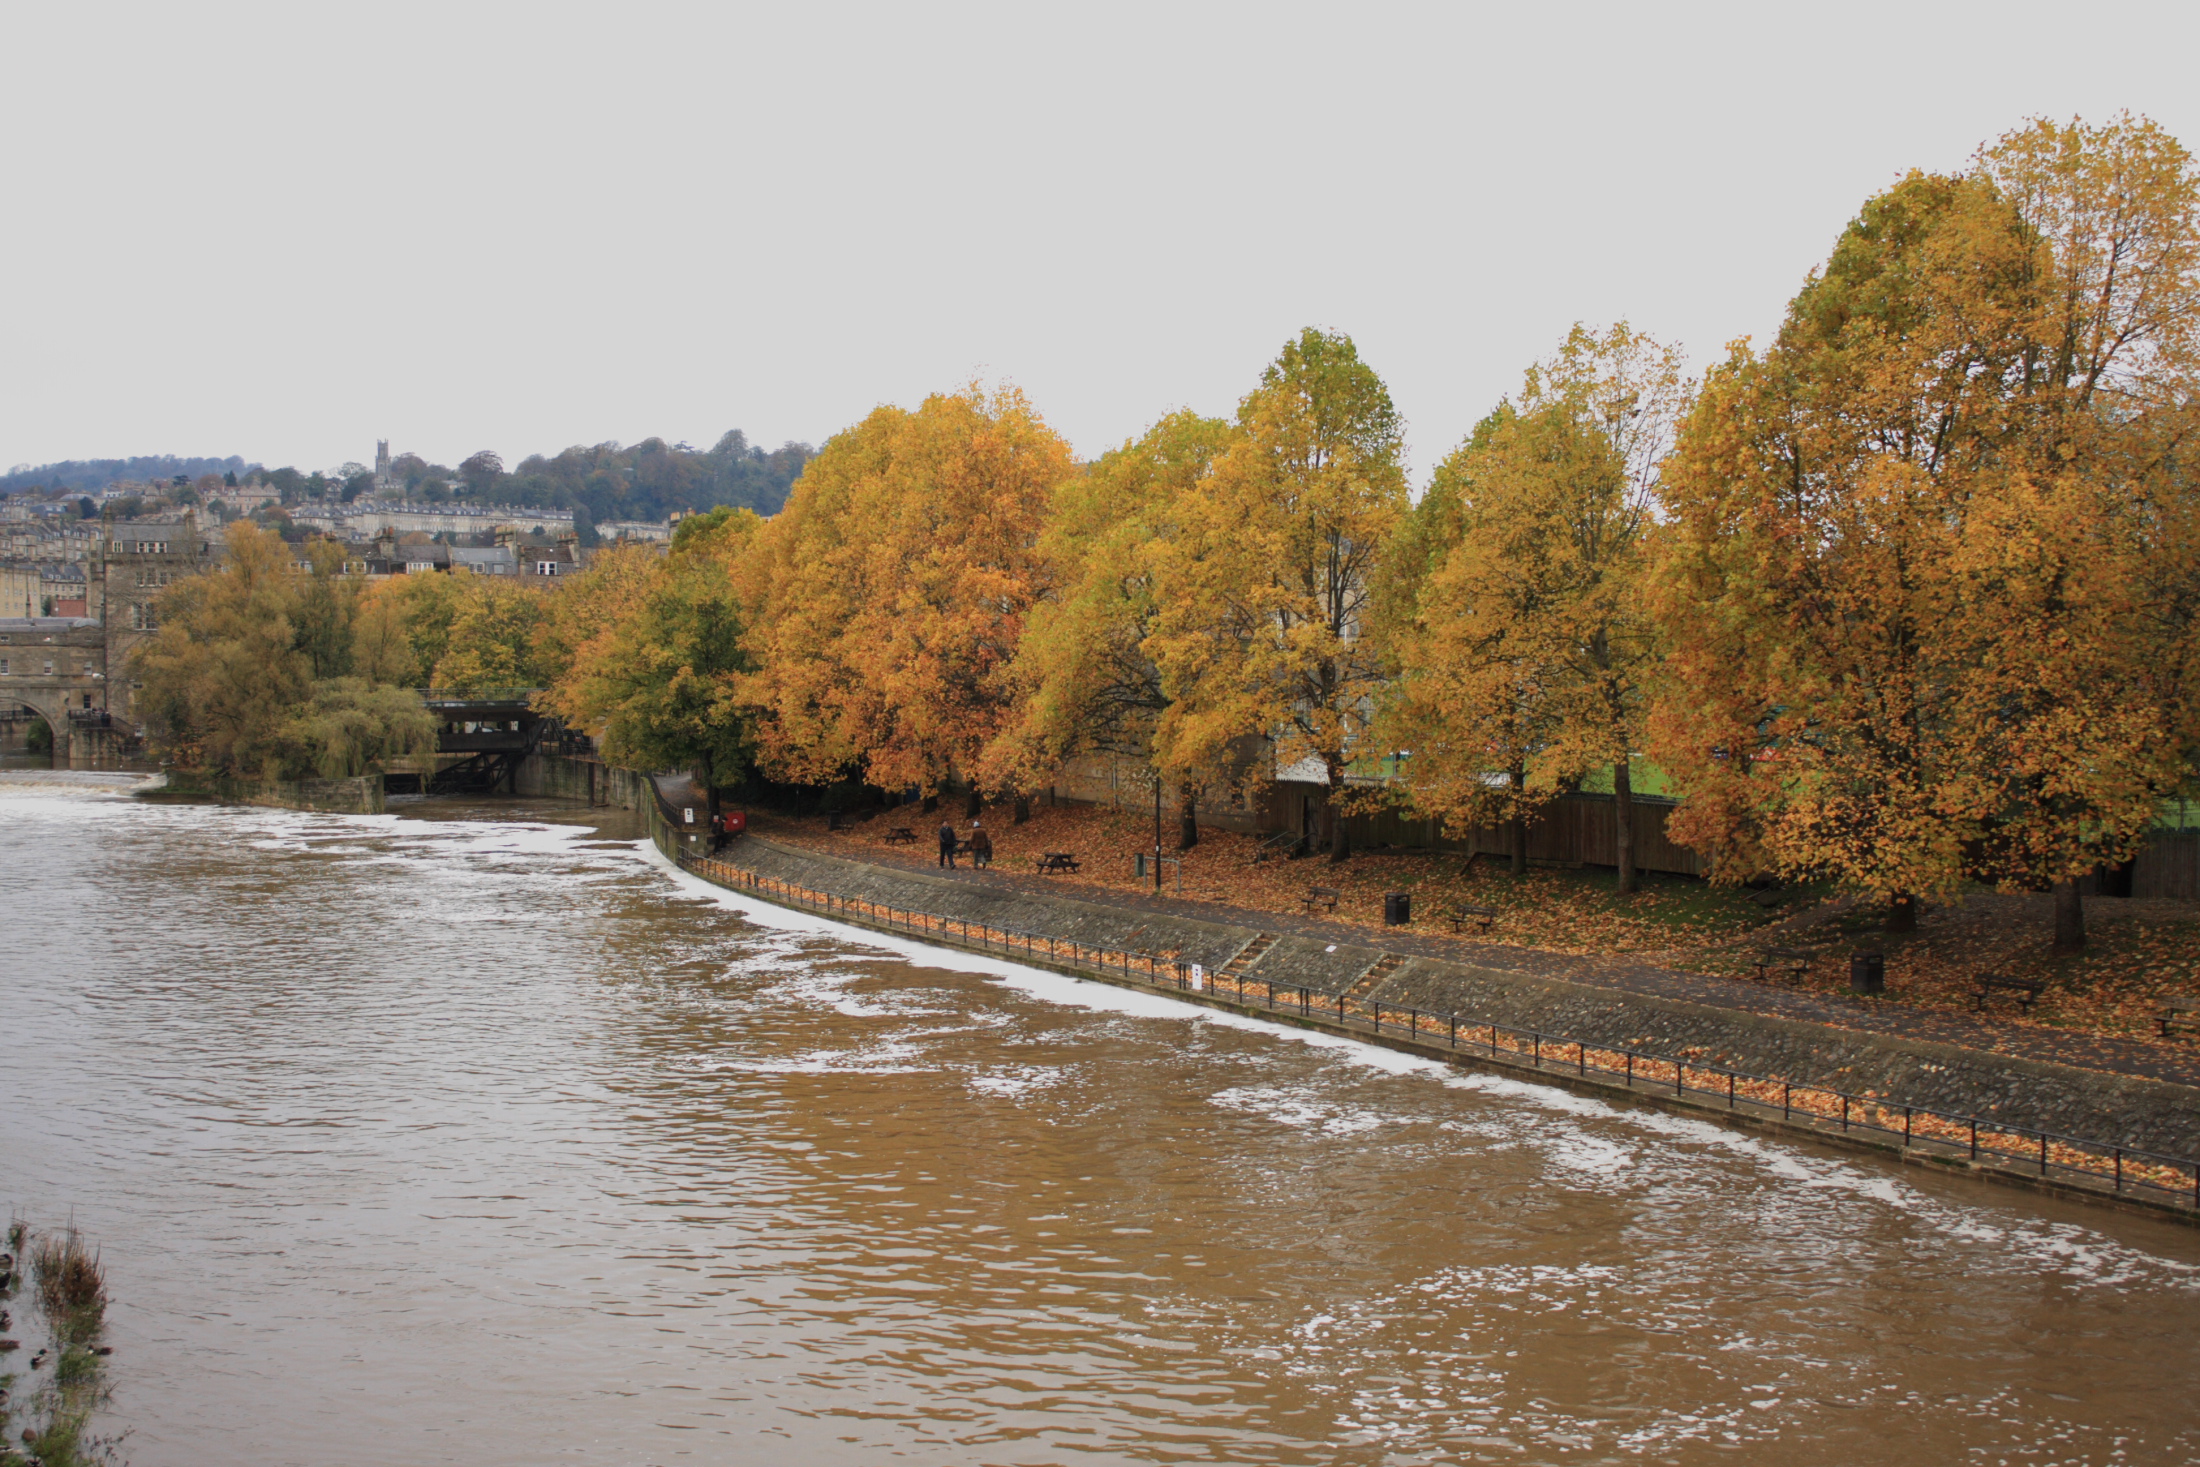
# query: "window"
x,y
3,667
49,667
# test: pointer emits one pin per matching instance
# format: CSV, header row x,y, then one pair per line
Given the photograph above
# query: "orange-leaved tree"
x,y
1263,589
886,601
1923,586
1084,679
1524,649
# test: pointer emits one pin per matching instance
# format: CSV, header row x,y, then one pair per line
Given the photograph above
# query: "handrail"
x,y
1821,1107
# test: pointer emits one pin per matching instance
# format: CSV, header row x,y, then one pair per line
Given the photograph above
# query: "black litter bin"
x,y
1868,972
1397,909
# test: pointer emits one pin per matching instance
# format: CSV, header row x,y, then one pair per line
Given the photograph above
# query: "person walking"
x,y
947,845
981,846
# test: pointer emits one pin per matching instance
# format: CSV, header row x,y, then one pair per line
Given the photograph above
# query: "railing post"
x,y
1844,1114
1907,1115
1454,1031
1974,1138
1730,1090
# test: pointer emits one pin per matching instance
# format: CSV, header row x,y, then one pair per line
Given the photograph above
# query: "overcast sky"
x,y
285,231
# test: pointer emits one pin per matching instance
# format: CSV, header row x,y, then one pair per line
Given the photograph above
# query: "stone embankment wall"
x,y
360,796
2140,1113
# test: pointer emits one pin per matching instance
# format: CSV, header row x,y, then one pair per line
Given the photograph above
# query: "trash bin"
x,y
1868,972
1138,865
1397,909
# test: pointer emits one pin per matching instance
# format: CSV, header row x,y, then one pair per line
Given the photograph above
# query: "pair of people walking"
x,y
980,846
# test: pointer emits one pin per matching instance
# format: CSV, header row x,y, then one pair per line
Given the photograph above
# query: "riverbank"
x,y
1543,1021
2141,956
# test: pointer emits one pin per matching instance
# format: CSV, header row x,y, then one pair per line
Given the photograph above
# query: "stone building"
x,y
131,564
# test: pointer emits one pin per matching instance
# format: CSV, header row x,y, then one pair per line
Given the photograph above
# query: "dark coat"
x,y
947,837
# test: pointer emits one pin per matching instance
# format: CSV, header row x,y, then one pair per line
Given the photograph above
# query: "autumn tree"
x,y
1084,680
658,676
252,674
1524,650
1925,575
1262,590
887,599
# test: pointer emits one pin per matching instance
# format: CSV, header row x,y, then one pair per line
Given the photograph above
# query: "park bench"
x,y
1054,861
1481,917
1989,984
1794,959
901,835
2178,1013
1320,896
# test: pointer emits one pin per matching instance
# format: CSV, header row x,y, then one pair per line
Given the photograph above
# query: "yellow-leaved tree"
x,y
1262,589
886,601
1513,605
1084,680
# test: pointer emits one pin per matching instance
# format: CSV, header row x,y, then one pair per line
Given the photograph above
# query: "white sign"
x,y
688,815
1199,977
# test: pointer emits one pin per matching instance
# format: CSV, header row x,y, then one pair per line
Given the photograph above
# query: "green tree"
x,y
660,679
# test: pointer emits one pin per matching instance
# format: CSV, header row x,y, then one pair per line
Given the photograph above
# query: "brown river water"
x,y
475,1135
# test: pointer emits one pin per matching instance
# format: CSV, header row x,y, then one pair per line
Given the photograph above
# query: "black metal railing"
x,y
2123,1170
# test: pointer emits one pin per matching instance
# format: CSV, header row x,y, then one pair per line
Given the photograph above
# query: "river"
x,y
475,1135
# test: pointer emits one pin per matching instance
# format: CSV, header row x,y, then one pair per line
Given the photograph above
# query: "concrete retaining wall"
x,y
2145,1114
569,777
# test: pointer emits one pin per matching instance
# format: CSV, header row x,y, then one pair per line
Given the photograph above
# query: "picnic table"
x,y
2178,1013
1053,861
1481,917
1794,959
1322,896
901,835
1987,985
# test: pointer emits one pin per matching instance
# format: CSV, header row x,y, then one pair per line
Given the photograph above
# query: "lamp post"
x,y
1157,832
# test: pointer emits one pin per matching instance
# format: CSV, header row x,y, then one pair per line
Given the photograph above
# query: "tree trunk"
x,y
1623,824
1022,810
2069,918
1187,816
1901,912
931,804
1519,823
972,803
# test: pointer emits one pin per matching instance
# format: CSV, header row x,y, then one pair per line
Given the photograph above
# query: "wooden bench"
x,y
1989,984
1320,896
1794,959
901,835
2178,1013
1054,861
1481,917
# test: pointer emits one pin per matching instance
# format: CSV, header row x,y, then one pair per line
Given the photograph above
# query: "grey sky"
x,y
285,230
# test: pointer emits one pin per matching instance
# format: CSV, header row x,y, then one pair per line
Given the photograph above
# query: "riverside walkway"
x,y
2174,1063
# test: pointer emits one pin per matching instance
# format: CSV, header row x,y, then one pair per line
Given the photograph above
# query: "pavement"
x,y
2177,1062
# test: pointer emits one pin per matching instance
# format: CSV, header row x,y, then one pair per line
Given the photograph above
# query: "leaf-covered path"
x,y
2175,1062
